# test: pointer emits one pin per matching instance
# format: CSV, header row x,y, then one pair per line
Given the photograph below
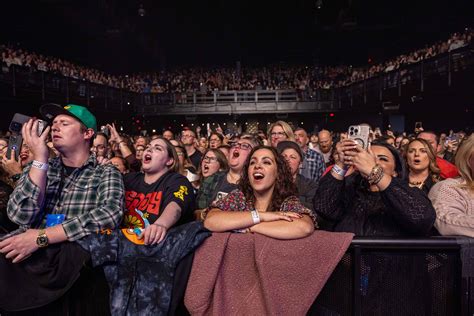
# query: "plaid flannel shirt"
x,y
313,165
207,190
91,198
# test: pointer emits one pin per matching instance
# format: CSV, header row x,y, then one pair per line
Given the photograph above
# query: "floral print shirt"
x,y
235,201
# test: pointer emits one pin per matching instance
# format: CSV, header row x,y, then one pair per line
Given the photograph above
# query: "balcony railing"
x,y
441,71
51,87
413,79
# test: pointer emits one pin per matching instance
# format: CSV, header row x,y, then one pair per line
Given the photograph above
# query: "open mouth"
x,y
146,158
23,156
258,176
205,168
416,161
236,154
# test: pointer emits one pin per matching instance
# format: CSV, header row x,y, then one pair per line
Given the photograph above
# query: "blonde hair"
x,y
464,153
286,128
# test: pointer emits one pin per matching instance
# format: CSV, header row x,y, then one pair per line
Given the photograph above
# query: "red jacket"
x,y
448,170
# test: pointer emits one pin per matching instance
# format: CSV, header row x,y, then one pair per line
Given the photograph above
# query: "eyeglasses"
x,y
187,136
209,159
243,146
278,134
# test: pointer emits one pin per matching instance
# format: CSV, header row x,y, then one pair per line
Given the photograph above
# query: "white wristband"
x,y
40,165
255,217
338,170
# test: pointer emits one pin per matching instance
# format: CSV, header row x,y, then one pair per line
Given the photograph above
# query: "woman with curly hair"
x,y
423,171
265,202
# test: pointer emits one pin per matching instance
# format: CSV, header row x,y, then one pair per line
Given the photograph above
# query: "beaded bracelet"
x,y
375,175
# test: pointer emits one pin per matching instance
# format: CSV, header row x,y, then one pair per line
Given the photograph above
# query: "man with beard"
x,y
325,145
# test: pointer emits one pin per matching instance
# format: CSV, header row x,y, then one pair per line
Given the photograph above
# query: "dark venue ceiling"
x,y
113,36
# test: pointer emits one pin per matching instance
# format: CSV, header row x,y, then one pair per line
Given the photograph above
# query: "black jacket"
x,y
397,211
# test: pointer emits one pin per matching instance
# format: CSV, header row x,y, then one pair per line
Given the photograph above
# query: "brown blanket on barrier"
x,y
250,274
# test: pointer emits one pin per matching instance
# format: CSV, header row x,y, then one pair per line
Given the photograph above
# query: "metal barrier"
x,y
399,277
377,276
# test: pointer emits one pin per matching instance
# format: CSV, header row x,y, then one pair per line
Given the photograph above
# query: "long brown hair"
x,y
284,185
434,170
186,162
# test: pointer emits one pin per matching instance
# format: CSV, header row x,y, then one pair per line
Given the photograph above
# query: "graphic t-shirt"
x,y
145,203
223,188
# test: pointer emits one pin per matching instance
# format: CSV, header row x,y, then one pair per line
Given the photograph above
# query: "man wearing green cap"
x,y
64,198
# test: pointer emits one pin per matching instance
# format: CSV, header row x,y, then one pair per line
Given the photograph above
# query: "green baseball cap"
x,y
50,110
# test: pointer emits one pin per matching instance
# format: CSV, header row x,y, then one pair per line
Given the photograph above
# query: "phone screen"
x,y
14,143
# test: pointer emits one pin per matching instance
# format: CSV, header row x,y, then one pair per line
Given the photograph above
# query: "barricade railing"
x,y
393,276
376,276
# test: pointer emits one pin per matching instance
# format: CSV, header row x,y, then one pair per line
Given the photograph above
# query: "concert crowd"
x,y
272,77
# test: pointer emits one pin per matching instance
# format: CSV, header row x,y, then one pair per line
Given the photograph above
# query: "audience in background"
x,y
302,78
293,155
325,146
313,164
280,131
188,138
447,169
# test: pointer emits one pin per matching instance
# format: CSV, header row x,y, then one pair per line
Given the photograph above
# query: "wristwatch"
x,y
16,177
42,240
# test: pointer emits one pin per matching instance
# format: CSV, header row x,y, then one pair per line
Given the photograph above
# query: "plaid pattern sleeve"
x,y
108,209
206,191
23,208
314,165
92,198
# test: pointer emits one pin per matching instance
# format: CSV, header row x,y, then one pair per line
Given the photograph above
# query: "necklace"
x,y
418,184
